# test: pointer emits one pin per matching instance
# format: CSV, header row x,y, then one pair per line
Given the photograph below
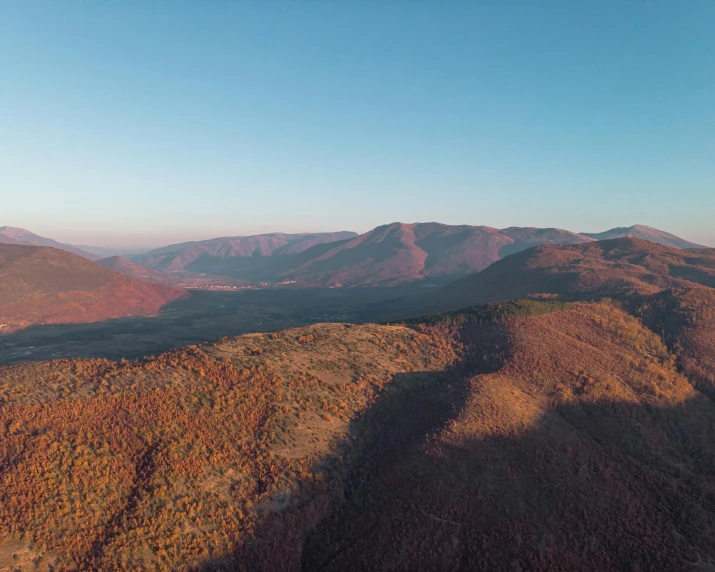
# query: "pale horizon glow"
x,y
139,124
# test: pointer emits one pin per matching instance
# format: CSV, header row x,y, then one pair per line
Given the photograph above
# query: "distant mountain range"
x,y
239,256
385,256
398,252
646,233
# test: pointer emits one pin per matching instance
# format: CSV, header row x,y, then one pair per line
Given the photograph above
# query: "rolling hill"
x,y
565,440
13,235
646,233
40,285
617,267
575,446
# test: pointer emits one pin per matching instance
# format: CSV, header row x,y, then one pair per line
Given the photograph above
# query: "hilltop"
x,y
179,459
13,235
40,285
646,233
233,256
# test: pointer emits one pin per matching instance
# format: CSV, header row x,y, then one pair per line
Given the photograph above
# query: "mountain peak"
x,y
646,232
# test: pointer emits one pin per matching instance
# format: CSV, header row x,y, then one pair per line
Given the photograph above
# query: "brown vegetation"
x,y
175,461
566,440
531,435
612,268
385,256
585,449
48,286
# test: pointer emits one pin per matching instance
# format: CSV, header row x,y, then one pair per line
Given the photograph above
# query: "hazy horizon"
x,y
129,244
139,125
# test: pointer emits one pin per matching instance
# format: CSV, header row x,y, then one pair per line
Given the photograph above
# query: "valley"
x,y
203,316
357,286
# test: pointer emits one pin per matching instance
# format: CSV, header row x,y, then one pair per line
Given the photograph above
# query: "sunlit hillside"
x,y
40,285
523,436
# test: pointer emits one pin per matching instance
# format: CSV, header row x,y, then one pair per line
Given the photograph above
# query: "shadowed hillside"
x,y
565,440
128,268
686,321
584,449
49,286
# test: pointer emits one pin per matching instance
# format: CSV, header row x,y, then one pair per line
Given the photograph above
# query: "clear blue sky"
x,y
141,123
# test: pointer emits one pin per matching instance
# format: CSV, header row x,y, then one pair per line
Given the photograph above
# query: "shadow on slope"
x,y
414,405
516,459
609,486
202,317
127,337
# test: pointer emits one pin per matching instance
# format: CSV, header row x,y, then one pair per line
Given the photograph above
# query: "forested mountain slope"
x,y
614,268
41,285
528,435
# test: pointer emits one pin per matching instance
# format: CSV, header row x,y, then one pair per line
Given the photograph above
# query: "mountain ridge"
x,y
16,235
647,233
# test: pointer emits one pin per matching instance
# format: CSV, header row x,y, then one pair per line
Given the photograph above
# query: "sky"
x,y
141,123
